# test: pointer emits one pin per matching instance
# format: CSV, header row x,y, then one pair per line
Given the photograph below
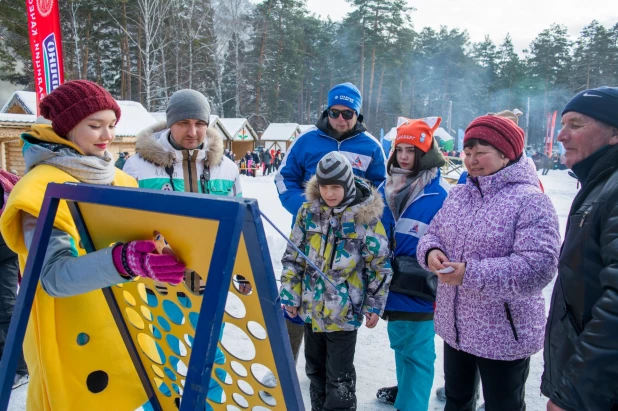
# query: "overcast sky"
x,y
524,19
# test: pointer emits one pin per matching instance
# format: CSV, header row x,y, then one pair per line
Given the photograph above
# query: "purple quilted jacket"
x,y
506,231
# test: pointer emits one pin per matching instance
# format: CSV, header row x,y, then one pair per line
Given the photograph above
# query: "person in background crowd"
x,y
121,161
74,351
266,160
256,161
272,160
353,282
278,159
581,337
9,277
414,192
494,246
339,128
184,154
242,165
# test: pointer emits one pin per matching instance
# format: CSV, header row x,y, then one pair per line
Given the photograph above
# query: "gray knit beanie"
x,y
335,168
187,104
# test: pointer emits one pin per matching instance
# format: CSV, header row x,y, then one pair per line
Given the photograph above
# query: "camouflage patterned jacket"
x,y
350,248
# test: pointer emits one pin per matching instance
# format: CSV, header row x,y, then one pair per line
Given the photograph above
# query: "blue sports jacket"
x,y
407,230
363,150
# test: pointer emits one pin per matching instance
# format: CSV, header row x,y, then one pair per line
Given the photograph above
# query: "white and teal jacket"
x,y
159,166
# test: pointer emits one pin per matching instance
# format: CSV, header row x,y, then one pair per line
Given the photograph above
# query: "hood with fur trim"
x,y
367,210
148,147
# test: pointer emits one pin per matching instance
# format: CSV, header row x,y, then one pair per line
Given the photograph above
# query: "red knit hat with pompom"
x,y
500,132
72,102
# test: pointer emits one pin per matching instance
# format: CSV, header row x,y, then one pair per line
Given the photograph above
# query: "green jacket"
x,y
350,248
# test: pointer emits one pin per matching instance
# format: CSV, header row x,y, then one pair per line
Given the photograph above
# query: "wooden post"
x,y
2,156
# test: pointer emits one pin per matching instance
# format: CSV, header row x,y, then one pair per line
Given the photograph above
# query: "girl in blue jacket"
x,y
414,192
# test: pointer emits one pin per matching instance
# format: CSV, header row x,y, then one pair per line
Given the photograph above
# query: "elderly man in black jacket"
x,y
581,338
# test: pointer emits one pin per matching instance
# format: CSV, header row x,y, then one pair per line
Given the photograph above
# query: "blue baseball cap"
x,y
345,94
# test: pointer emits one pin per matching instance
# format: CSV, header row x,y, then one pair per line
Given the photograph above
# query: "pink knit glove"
x,y
138,258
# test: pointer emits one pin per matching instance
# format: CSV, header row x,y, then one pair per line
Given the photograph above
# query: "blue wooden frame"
x,y
234,215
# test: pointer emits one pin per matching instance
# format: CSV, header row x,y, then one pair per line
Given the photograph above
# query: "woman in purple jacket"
x,y
498,236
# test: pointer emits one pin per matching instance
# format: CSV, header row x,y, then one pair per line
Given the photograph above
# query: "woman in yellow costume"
x,y
74,352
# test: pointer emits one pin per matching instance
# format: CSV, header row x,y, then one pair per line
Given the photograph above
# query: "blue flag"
x,y
460,137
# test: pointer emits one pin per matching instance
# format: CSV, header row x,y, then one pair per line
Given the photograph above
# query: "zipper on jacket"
x,y
586,213
189,170
333,252
510,318
455,314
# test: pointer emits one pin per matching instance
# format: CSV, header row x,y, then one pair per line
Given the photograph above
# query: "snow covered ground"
x,y
374,361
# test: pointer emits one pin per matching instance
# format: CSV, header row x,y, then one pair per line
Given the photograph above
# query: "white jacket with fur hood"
x,y
159,166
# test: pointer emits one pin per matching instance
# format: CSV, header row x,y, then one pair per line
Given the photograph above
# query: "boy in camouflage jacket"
x,y
340,231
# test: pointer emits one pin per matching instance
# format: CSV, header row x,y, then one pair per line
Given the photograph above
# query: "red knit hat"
x,y
418,133
72,102
500,132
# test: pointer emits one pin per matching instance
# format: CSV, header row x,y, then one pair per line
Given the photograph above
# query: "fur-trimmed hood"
x,y
148,146
368,210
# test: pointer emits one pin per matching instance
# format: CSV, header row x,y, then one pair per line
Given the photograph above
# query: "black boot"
x,y
318,398
387,395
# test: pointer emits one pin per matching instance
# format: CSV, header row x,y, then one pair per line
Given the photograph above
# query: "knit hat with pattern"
x,y
72,102
335,168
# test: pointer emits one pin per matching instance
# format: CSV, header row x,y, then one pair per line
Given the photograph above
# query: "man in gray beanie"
x,y
581,336
184,153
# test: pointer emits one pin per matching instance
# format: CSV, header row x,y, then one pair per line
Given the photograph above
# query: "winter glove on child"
x,y
139,258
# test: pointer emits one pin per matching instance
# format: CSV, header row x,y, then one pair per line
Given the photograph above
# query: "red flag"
x,y
45,46
545,144
550,142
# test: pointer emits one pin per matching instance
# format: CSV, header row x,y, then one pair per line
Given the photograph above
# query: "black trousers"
x,y
295,333
8,294
504,382
330,368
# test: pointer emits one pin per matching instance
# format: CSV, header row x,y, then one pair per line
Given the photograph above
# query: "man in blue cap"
x,y
339,128
581,337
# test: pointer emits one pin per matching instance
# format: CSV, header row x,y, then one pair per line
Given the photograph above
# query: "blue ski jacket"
x,y
362,149
405,233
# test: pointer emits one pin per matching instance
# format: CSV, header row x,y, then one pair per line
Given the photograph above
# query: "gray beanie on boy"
x,y
187,104
335,168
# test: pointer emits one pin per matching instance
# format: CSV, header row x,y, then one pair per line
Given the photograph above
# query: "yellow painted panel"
x,y
161,317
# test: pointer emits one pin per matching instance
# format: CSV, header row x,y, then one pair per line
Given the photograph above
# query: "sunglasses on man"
x,y
347,114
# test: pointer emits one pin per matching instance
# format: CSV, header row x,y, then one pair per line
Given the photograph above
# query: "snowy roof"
x,y
281,132
25,99
305,127
238,128
17,118
133,119
159,115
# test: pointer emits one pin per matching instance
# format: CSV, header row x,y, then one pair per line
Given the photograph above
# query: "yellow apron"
x,y
75,354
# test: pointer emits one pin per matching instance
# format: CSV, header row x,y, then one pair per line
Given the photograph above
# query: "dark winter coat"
x,y
266,157
581,339
120,162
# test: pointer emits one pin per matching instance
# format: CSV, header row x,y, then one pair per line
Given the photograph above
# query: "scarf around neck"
x,y
402,188
87,169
